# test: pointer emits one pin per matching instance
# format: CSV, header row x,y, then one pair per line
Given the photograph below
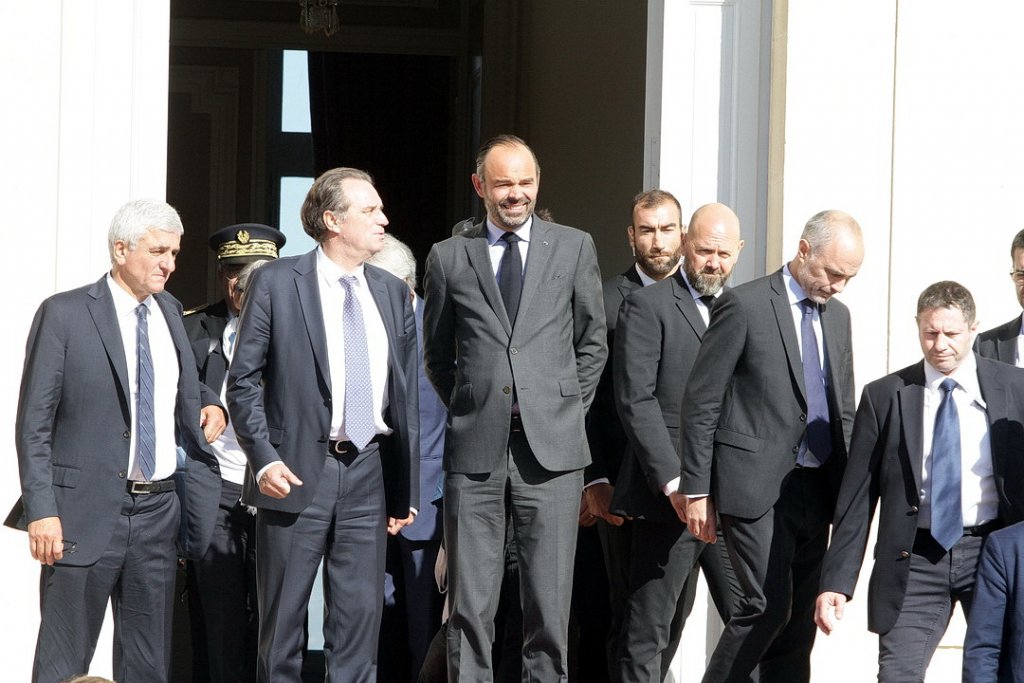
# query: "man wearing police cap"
x,y
222,585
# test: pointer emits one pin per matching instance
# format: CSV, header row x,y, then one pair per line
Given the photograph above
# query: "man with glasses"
x,y
222,585
1006,342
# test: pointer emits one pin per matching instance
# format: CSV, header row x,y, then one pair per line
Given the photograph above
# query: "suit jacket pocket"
x,y
65,476
569,387
744,442
275,435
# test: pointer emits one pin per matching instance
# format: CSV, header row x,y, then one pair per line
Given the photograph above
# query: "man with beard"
x,y
514,343
659,333
765,428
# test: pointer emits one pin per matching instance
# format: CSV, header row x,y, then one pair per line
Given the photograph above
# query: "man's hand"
x,y
46,540
277,481
585,517
598,498
828,601
395,525
699,515
213,420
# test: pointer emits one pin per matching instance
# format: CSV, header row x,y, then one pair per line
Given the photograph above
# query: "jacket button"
x,y
796,449
904,554
122,474
803,417
513,350
913,509
127,434
507,390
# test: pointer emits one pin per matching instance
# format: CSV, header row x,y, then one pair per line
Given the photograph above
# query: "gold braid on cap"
x,y
250,247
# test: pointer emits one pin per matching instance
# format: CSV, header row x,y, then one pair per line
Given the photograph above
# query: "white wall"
x,y
82,129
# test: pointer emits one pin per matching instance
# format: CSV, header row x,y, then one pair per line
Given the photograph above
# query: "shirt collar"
x,y
331,272
794,291
125,303
494,233
645,279
966,376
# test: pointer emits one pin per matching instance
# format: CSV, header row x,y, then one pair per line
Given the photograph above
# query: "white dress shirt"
x,y
1019,360
229,453
496,245
165,378
979,500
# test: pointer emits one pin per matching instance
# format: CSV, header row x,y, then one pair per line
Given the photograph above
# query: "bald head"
x,y
711,247
830,254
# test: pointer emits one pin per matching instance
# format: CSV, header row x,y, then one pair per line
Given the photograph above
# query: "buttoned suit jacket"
x,y
659,333
744,414
279,383
74,422
553,357
994,646
205,330
604,429
1000,343
885,464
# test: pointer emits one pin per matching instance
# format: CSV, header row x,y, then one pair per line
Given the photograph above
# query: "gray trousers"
x,y
544,508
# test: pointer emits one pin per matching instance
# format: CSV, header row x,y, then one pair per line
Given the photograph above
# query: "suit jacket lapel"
x,y
172,316
387,309
1006,345
480,259
911,406
993,391
308,290
687,306
101,308
537,256
787,330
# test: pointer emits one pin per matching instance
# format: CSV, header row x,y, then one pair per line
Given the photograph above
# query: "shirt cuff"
x,y
265,468
599,480
671,487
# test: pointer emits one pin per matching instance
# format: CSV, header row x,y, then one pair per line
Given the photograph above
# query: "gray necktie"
x,y
359,423
145,430
817,437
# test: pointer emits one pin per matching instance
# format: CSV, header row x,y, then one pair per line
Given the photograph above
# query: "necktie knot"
x,y
510,238
141,311
948,385
808,307
349,281
708,300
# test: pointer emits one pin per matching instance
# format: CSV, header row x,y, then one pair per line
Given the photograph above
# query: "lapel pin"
x,y
544,243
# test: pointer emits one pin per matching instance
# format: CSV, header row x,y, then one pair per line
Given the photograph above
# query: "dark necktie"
x,y
145,429
359,423
709,301
818,436
510,275
947,517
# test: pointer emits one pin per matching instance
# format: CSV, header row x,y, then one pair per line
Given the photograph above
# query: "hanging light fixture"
x,y
319,15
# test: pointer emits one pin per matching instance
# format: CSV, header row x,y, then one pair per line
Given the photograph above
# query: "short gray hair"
x,y
245,275
397,258
133,220
821,227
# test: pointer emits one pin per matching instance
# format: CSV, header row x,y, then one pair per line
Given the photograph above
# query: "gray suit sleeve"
x,y
590,333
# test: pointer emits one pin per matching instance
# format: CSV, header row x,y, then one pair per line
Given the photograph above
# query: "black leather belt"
x,y
983,529
347,447
145,488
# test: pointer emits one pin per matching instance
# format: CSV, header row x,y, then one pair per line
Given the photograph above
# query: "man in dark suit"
x,y
1006,342
111,421
655,237
936,446
322,392
659,332
514,342
410,591
765,427
222,584
994,646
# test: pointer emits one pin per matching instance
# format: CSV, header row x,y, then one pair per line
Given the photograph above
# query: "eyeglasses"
x,y
1018,276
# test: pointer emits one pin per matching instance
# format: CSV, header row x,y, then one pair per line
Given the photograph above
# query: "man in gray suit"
x,y
322,390
765,429
109,393
659,333
514,330
1006,342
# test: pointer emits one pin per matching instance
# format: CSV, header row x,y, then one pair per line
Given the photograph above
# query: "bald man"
x,y
659,332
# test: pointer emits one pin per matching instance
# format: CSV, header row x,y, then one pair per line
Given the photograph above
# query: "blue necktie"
x,y
818,435
145,430
510,275
947,516
359,423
